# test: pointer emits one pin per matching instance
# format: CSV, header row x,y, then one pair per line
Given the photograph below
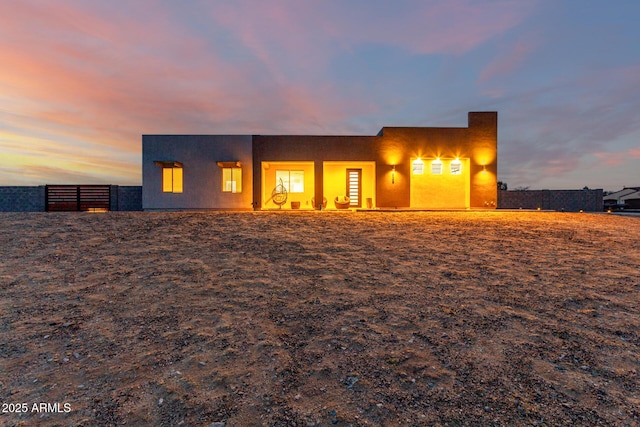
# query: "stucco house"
x,y
399,168
629,196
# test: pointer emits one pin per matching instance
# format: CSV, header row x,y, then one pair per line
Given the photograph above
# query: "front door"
x,y
354,187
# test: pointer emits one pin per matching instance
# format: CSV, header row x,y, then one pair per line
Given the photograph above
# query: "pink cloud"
x,y
94,80
617,158
90,77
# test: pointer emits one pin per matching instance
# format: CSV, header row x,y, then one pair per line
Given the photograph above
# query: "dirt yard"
x,y
319,319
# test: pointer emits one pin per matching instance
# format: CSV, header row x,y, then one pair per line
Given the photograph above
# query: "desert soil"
x,y
319,319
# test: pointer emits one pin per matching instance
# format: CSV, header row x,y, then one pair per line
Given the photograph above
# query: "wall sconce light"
x,y
393,174
484,168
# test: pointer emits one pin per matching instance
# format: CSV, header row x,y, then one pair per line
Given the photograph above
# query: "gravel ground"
x,y
319,318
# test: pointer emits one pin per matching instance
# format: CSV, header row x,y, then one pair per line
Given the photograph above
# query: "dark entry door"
x,y
354,187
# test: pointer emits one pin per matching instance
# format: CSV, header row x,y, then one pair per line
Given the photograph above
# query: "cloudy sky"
x,y
81,81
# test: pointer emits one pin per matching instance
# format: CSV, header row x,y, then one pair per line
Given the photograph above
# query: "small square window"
x,y
456,167
418,167
436,167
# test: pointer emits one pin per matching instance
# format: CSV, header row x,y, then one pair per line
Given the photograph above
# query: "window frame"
x,y
173,182
234,180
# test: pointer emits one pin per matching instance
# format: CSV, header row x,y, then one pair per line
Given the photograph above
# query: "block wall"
x,y
22,199
33,199
556,200
126,198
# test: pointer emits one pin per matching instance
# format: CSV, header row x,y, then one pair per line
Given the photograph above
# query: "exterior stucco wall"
x,y
319,149
202,177
483,143
399,146
478,143
392,151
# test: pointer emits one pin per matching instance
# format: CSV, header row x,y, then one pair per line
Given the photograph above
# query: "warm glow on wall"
x,y
484,157
298,180
446,189
392,152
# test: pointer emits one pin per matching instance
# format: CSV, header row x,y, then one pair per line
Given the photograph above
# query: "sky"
x,y
81,81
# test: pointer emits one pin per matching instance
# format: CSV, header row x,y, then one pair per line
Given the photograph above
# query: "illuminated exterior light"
x,y
418,166
393,174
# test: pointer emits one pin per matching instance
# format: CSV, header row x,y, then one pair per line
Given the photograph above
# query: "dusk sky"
x,y
81,81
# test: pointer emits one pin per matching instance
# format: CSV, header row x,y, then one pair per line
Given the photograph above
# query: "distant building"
x,y
401,167
629,196
632,200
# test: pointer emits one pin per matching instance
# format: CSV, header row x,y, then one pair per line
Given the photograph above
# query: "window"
x,y
418,167
456,167
171,175
436,167
171,180
231,176
232,180
293,181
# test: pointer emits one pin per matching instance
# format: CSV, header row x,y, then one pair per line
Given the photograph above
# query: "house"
x,y
400,168
628,197
632,200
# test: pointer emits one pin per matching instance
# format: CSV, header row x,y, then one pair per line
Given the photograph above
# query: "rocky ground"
x,y
319,318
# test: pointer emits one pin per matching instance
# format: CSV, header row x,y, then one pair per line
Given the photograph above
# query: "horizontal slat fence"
x,y
77,197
